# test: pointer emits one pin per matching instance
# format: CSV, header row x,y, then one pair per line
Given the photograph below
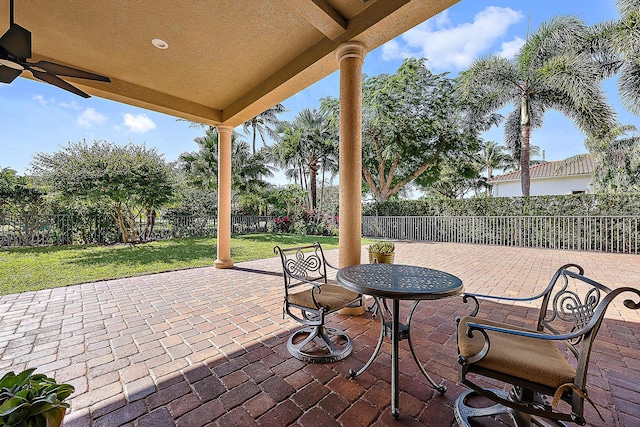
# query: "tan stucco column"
x,y
224,198
350,56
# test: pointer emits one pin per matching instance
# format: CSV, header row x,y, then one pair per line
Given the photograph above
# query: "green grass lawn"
x,y
30,269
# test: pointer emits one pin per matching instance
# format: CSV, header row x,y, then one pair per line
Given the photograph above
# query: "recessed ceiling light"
x,y
160,44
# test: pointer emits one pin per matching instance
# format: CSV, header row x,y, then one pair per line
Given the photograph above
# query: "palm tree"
x,y
249,170
330,163
306,146
317,143
201,167
286,153
262,124
617,160
617,47
513,159
555,69
492,157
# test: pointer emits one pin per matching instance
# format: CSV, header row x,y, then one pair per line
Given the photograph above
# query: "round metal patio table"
x,y
398,282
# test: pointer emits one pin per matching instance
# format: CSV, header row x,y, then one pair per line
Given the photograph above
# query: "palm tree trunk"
x,y
525,128
313,185
321,191
254,140
302,177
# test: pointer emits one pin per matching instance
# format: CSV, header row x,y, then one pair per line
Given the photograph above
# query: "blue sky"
x,y
36,117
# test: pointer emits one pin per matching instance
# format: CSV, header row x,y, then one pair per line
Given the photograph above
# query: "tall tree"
x,y
308,146
618,48
459,176
555,69
24,204
492,156
617,158
411,121
126,181
201,167
318,143
286,153
263,124
513,158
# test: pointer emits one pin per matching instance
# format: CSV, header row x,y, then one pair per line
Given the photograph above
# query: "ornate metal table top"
x,y
398,281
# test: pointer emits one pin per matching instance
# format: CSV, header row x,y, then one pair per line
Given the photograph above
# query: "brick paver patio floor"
x,y
207,347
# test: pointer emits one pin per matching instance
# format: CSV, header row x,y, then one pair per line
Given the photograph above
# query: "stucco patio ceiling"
x,y
227,60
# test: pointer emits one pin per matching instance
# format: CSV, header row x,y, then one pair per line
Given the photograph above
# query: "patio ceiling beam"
x,y
140,95
321,15
213,74
315,61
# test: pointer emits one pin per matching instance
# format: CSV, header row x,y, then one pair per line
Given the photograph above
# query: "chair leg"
x,y
324,342
463,412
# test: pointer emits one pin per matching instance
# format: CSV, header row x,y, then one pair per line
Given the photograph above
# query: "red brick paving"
x,y
207,347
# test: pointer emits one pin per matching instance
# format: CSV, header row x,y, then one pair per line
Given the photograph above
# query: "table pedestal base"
x,y
397,332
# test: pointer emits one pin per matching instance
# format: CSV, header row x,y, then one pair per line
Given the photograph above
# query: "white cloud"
x,y
393,50
70,105
41,100
91,117
456,47
138,124
509,49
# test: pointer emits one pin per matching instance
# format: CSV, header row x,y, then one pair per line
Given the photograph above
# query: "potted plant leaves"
x,y
32,400
381,252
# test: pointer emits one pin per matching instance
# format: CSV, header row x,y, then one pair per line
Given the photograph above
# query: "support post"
x,y
224,198
350,57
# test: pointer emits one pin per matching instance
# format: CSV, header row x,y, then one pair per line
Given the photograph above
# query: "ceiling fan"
x,y
15,48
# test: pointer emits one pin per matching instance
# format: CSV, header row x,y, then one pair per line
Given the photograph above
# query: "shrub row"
x,y
563,205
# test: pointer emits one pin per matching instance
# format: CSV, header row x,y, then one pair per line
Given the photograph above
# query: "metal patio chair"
x,y
307,290
536,362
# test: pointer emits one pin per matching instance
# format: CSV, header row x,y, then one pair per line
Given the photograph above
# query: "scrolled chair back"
x,y
302,264
572,308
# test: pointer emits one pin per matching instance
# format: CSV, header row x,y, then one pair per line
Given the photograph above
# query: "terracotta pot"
x,y
54,418
380,258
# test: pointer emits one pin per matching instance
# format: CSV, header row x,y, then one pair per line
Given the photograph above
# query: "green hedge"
x,y
566,205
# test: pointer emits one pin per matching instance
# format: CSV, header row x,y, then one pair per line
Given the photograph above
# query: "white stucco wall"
x,y
544,186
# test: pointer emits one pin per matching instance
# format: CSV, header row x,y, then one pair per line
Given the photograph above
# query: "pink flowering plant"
x,y
283,224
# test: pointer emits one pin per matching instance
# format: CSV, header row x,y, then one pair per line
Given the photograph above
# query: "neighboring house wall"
x,y
550,178
544,186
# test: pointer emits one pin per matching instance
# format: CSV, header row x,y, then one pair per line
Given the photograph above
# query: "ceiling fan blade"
x,y
57,81
17,41
63,70
7,74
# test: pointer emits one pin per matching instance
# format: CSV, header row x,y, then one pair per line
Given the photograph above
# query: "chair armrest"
x,y
529,334
331,266
477,297
575,335
317,288
483,329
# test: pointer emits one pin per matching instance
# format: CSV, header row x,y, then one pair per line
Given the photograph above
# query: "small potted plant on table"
x,y
32,400
381,252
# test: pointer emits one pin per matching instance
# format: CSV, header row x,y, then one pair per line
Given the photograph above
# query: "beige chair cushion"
x,y
535,360
332,297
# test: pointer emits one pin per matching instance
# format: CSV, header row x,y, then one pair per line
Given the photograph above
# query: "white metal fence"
x,y
619,234
589,233
57,230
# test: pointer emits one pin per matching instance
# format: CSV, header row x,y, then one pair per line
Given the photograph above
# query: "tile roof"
x,y
582,165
